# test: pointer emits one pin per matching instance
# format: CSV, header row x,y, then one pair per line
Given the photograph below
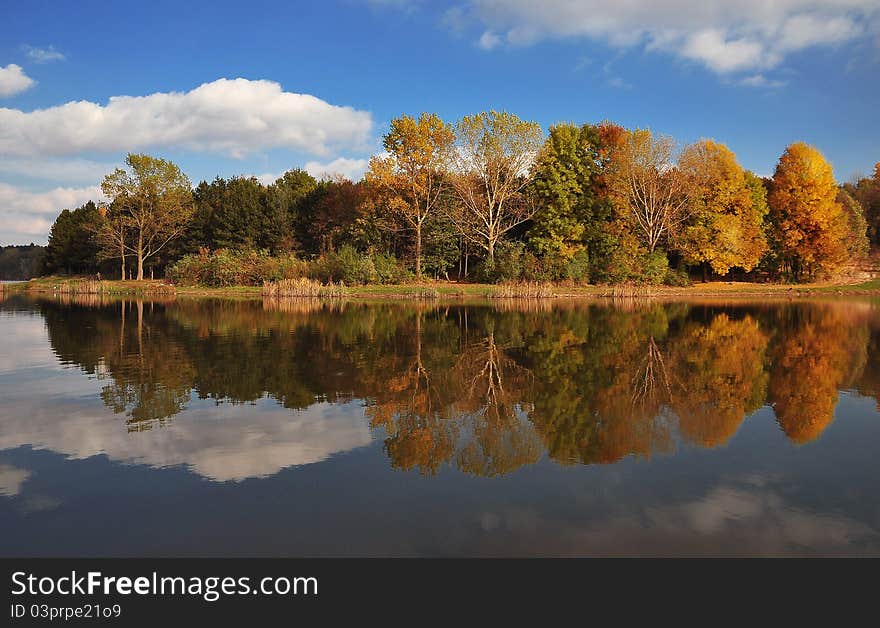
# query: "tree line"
x,y
20,262
488,198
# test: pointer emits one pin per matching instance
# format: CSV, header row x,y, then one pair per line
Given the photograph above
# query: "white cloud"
x,y
26,216
44,55
231,116
723,55
13,81
352,169
57,170
488,40
11,479
759,80
725,36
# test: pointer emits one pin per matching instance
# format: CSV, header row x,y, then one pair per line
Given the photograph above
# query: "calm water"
x,y
295,428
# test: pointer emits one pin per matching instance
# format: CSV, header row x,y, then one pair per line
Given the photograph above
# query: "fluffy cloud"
x,y
43,55
74,170
488,40
352,169
13,81
234,117
26,216
724,36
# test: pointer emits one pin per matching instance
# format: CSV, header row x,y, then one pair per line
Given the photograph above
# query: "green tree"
x,y
565,172
155,198
237,221
287,199
72,246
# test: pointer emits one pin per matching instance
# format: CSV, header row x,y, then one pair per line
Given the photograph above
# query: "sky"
x,y
230,88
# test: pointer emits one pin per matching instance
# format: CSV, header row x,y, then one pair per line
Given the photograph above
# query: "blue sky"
x,y
322,81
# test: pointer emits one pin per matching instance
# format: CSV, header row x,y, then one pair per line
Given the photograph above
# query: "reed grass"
x,y
528,290
303,287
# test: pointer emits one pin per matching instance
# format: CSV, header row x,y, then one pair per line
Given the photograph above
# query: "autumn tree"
x,y
413,172
810,228
491,159
155,199
650,191
857,244
725,227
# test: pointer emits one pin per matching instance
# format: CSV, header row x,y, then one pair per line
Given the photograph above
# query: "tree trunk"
x,y
491,249
419,251
140,275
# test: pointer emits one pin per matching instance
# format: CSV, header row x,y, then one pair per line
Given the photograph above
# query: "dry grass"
x,y
302,288
530,290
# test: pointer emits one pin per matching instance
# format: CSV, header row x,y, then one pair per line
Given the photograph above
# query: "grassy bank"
x,y
447,290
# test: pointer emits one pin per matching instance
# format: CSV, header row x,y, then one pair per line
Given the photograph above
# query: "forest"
x,y
489,198
20,262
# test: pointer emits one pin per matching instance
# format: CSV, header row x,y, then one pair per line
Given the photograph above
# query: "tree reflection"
x,y
820,350
485,389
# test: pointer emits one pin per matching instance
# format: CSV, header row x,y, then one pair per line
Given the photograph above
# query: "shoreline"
x,y
434,290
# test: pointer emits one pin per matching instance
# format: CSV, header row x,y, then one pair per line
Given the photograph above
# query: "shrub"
x,y
654,267
388,269
577,269
346,265
677,277
226,267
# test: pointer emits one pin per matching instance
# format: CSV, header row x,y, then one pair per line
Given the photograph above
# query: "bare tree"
x,y
111,235
650,189
490,170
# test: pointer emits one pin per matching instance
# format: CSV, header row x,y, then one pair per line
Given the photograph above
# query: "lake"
x,y
302,428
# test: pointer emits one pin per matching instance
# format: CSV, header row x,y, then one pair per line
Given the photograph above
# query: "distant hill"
x,y
20,262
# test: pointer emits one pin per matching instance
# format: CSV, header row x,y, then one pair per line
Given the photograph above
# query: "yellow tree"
x,y
413,172
810,227
725,226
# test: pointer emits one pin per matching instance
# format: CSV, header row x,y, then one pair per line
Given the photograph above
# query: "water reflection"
x,y
484,389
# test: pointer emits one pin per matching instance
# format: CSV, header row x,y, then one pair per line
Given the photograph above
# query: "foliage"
x,y
227,267
72,247
649,191
490,176
154,200
412,175
724,226
21,262
810,228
